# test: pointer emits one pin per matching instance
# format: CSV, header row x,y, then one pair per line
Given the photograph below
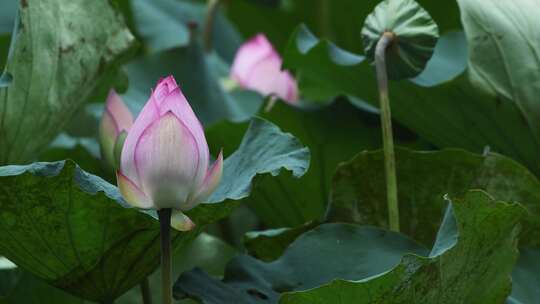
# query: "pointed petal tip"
x,y
131,193
112,94
210,184
220,158
168,81
248,56
176,93
181,222
260,38
214,174
108,127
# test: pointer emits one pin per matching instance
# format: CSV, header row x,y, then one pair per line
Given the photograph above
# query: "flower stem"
x,y
166,258
386,121
145,291
209,24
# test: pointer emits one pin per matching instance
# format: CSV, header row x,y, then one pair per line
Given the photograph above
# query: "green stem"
x,y
145,291
271,103
386,121
209,24
324,19
166,258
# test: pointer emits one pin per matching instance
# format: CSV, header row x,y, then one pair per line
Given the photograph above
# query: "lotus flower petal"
x,y
270,67
176,103
275,82
148,115
181,222
248,55
131,193
163,88
211,181
116,119
292,87
119,111
167,160
257,66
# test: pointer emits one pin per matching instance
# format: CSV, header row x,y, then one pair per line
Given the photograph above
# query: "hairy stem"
x,y
166,258
209,24
145,292
386,121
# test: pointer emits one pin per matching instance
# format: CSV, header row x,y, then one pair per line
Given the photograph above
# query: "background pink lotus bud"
x,y
257,66
165,158
113,127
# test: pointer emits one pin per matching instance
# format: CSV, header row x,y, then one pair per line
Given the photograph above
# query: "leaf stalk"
x,y
383,44
209,24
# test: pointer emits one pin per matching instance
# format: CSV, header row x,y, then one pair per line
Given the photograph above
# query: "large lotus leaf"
x,y
415,36
199,75
325,253
504,48
470,263
73,230
359,195
333,134
60,56
163,24
441,105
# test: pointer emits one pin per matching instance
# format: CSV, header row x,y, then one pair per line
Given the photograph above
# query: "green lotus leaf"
x,y
471,262
59,58
424,178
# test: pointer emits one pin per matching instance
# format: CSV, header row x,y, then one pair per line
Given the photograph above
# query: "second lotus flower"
x,y
113,128
257,66
165,158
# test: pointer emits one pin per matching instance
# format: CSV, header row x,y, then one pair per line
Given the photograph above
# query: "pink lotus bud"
x,y
165,158
257,66
114,125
